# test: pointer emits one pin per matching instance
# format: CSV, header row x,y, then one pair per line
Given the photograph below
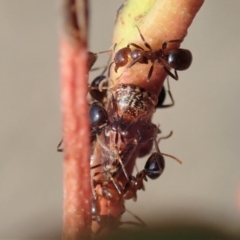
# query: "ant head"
x,y
121,57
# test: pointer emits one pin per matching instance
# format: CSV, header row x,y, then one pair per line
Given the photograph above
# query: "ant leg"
x,y
170,94
103,145
92,57
150,72
176,74
164,45
109,59
109,68
111,111
123,168
170,73
134,45
160,105
141,222
131,64
94,183
59,148
143,39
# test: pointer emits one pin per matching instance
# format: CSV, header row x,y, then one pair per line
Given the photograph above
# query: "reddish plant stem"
x,y
74,70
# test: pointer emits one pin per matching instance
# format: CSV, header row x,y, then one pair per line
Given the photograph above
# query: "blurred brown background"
x,y
205,122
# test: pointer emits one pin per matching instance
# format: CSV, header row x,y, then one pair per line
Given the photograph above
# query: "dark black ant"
x,y
142,132
177,59
153,169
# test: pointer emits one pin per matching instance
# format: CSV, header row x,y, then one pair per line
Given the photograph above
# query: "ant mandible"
x,y
177,59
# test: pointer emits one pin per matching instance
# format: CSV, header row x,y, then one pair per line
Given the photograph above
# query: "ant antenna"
x,y
165,154
165,137
168,155
109,68
59,146
101,87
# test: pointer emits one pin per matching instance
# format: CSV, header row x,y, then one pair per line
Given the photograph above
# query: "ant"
x,y
162,97
177,59
153,169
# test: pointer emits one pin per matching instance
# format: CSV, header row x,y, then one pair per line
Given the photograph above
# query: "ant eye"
x,y
94,88
154,165
179,59
97,114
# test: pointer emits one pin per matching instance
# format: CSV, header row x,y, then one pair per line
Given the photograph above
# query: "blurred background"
x,y
203,192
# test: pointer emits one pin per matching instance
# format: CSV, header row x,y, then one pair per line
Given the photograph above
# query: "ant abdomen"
x,y
179,59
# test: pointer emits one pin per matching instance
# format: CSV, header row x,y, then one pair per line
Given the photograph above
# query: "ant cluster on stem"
x,y
121,129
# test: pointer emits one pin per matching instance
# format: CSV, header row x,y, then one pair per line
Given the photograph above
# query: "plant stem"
x,y
74,70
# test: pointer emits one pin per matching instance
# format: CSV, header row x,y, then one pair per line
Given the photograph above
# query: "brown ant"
x,y
177,59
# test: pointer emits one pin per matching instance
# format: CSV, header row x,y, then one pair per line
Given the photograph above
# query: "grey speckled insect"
x,y
132,103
